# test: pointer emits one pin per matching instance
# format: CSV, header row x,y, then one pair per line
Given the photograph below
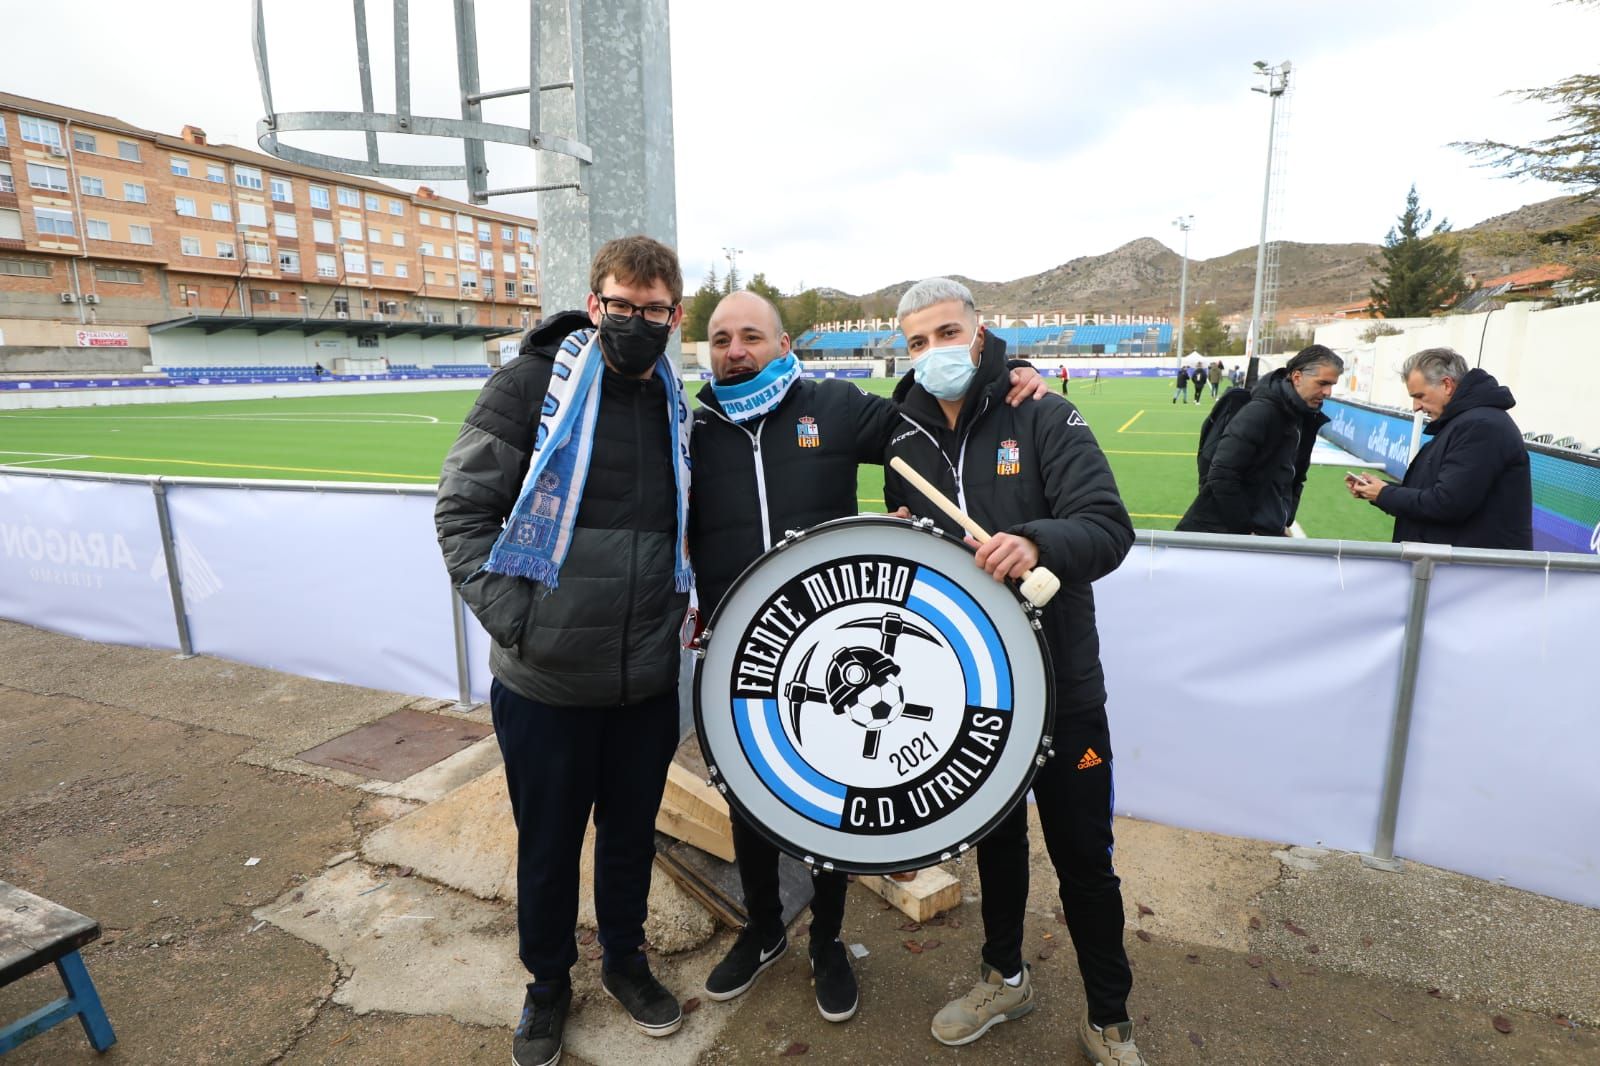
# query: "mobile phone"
x,y
1351,475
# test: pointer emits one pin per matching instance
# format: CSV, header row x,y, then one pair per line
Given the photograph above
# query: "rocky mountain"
x,y
1141,277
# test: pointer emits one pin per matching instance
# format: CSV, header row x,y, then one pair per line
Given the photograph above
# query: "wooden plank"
x,y
716,883
695,813
35,932
932,892
675,824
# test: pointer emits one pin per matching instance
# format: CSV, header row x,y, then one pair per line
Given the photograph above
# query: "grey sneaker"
x,y
990,1002
1111,1046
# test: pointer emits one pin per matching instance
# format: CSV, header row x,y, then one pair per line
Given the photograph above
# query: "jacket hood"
x,y
924,407
546,337
1477,389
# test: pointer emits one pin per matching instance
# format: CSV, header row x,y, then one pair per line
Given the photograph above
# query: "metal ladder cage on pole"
x,y
1280,169
469,129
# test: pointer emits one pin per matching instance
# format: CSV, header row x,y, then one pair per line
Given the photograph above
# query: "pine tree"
x,y
1205,332
1419,272
697,314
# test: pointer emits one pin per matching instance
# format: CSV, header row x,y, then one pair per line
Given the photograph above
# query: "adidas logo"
x,y
1090,760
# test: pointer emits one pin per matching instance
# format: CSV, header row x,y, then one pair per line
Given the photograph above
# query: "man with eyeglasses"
x,y
562,513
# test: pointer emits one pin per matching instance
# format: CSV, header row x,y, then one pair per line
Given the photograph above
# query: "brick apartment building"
x,y
106,224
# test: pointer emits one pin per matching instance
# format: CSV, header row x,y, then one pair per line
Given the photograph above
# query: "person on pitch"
x,y
774,451
562,513
1052,502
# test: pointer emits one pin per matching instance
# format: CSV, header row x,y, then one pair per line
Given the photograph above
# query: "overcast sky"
x,y
859,143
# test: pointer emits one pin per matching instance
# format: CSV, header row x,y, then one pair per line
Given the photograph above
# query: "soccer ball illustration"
x,y
862,683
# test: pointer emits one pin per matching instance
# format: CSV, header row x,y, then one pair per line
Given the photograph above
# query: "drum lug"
x,y
789,537
923,523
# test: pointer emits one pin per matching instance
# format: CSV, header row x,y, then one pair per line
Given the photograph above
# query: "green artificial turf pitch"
x,y
403,437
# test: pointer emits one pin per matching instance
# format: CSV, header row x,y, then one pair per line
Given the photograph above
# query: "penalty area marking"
x,y
53,457
1136,416
228,466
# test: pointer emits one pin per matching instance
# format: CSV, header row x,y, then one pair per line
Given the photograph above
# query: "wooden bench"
x,y
33,933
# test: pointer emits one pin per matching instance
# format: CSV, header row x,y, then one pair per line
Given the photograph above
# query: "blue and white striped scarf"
x,y
761,393
536,537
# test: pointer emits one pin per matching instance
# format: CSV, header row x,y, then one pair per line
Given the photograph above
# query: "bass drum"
x,y
869,699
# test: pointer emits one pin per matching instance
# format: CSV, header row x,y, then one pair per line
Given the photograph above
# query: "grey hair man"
x,y
1470,486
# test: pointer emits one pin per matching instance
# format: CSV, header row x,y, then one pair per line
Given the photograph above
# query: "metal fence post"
x,y
1394,771
169,549
463,667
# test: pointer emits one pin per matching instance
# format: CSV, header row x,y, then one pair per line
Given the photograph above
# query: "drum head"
x,y
870,699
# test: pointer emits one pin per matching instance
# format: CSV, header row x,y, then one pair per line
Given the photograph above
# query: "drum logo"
x,y
1008,460
806,432
871,694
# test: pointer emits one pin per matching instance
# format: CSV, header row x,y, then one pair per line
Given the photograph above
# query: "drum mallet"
x,y
1038,584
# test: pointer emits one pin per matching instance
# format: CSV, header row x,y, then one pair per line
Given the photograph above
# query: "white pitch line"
x,y
386,418
54,458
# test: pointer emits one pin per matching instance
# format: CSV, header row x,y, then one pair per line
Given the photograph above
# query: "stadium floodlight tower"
x,y
1264,303
1183,222
601,127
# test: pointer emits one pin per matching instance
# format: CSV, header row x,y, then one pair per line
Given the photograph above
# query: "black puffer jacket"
x,y
1259,470
791,469
1470,485
1057,490
609,634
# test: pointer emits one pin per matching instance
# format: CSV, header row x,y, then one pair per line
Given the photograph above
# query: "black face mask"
x,y
635,345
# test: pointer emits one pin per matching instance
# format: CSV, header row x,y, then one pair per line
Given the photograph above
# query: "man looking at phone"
x,y
1470,485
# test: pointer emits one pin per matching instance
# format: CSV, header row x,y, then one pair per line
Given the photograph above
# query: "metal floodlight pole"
x,y
732,256
1277,83
1183,222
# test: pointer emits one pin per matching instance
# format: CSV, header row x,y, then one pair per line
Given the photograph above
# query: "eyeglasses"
x,y
619,311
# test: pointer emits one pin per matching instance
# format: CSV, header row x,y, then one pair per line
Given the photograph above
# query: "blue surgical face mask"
x,y
946,371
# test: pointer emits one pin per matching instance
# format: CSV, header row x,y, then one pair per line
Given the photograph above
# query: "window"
x,y
253,215
349,229
46,177
524,234
401,270
118,275
180,166
187,245
225,250
341,304
256,252
322,230
428,277
83,142
221,212
448,251
511,289
469,279
396,207
259,296
24,268
372,202
6,184
128,150
368,340
424,219
483,232
464,223
185,206
399,239
319,197
91,186
98,228
508,263
348,198
425,248
284,225
377,266
289,262
327,267
3,141
246,177
466,253
527,262
138,234
11,225
355,263
375,235
450,279
54,223
530,288
216,173
133,192
39,131
505,233
486,260
282,190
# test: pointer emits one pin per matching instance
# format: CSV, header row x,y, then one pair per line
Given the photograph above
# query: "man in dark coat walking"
x,y
1255,479
1470,485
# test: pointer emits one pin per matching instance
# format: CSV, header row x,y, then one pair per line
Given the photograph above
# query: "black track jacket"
x,y
1035,471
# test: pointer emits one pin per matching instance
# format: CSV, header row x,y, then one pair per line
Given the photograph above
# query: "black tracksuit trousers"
x,y
1074,797
561,762
758,875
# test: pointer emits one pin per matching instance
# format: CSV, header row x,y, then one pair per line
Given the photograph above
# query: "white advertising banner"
x,y
1250,693
344,587
84,557
1503,770
478,644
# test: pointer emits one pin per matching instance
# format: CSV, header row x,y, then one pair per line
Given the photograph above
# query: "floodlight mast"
x,y
1183,222
1277,84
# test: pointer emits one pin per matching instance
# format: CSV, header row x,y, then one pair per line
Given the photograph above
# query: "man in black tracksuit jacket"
x,y
1259,469
1034,477
753,481
1470,485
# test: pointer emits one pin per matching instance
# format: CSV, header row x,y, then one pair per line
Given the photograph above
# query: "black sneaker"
x,y
653,1009
837,997
537,1041
738,970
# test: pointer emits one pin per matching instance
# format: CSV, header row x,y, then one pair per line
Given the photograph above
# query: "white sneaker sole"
x,y
649,1030
1009,1016
723,997
546,1062
842,1016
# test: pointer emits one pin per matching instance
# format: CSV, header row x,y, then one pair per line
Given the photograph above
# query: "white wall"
x,y
21,401
244,347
